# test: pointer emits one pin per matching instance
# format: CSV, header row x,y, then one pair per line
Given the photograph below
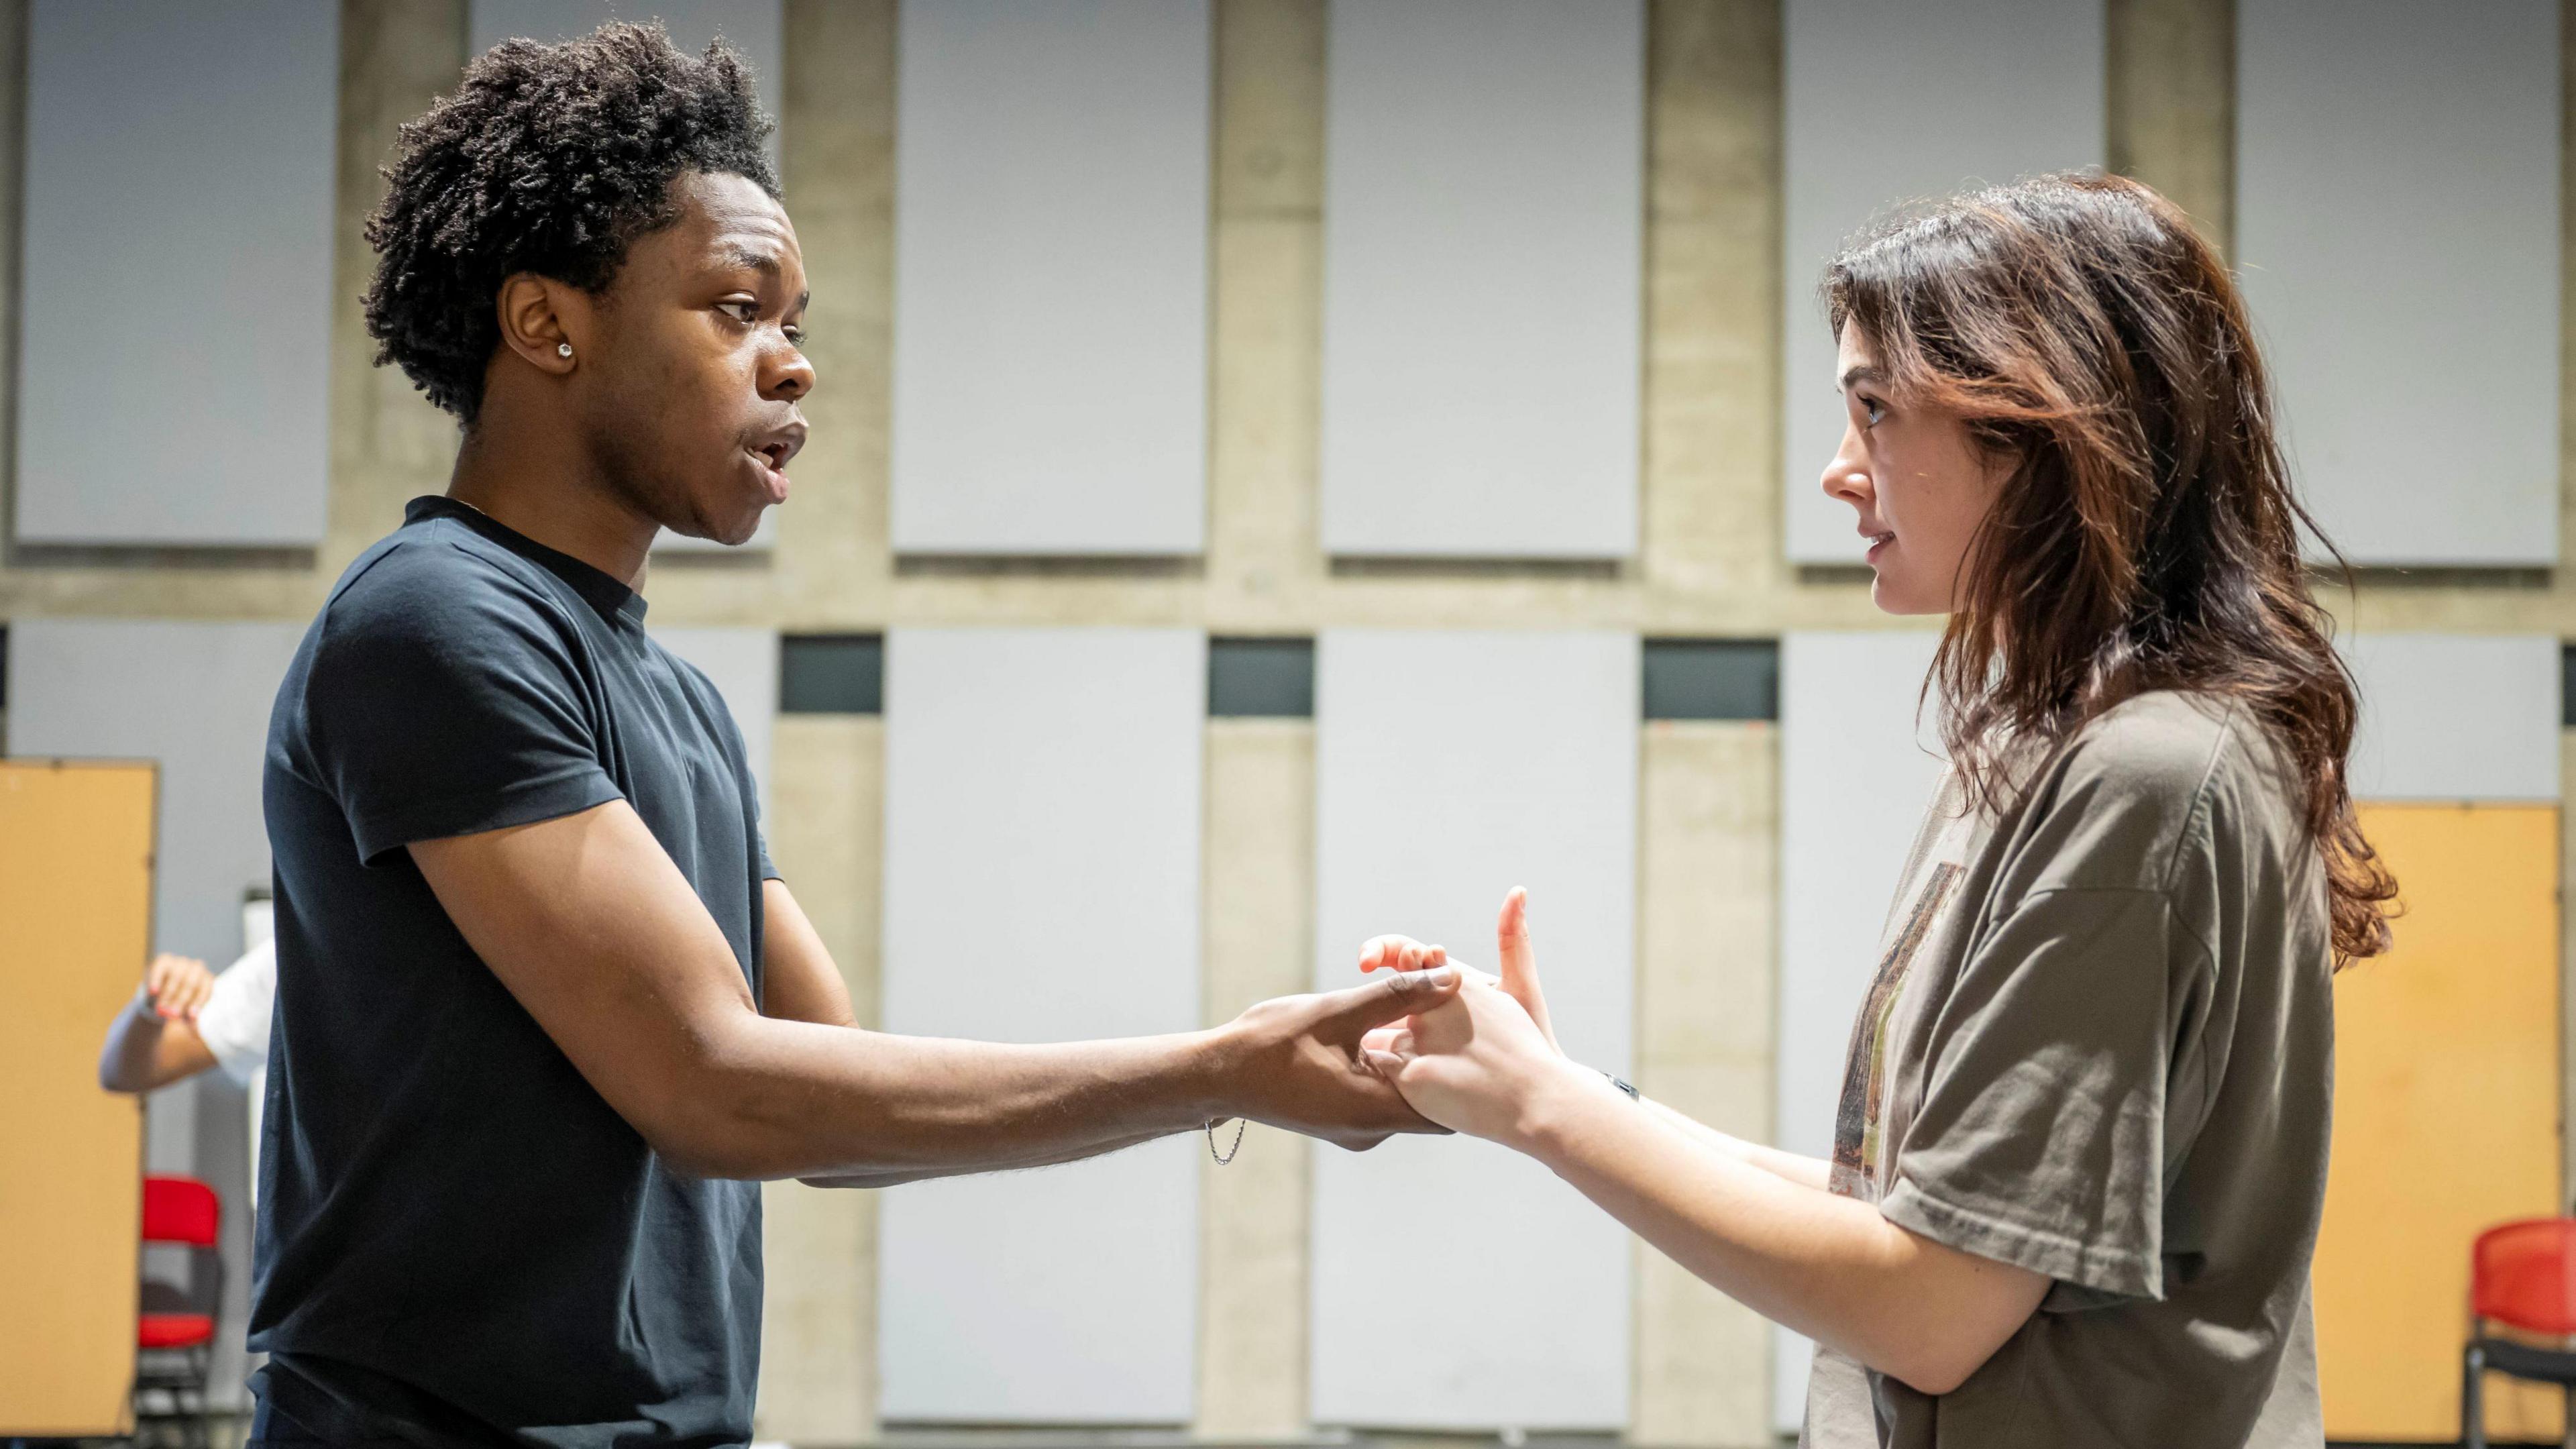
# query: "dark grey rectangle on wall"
x,y
1712,679
1272,678
831,674
2566,682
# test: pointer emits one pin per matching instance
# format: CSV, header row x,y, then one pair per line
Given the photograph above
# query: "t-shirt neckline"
x,y
601,588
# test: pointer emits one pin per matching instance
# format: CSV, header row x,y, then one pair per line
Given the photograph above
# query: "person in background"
x,y
185,1019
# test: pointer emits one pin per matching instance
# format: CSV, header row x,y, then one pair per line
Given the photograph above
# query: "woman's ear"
x,y
539,317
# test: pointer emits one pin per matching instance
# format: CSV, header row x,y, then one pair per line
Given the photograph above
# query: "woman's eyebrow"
x,y
1863,373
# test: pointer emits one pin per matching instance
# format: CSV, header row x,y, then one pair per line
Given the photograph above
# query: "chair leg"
x,y
2567,1434
2473,1418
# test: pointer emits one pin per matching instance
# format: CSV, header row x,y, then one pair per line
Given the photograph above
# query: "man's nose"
x,y
788,377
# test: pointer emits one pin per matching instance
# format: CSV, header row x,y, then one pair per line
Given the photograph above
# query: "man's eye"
x,y
742,312
795,336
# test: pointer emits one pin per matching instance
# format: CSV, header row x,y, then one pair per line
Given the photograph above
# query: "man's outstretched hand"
x,y
1295,1062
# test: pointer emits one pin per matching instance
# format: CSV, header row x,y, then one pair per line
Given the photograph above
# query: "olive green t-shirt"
x,y
2099,1046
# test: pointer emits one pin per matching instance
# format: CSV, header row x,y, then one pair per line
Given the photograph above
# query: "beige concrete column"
x,y
2171,70
818,1325
1258,935
1707,888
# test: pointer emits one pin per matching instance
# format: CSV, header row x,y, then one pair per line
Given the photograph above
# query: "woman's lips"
x,y
1877,541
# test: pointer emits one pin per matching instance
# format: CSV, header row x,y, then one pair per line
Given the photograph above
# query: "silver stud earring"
x,y
563,349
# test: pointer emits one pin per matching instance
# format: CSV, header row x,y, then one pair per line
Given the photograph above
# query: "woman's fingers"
x,y
1519,962
1400,953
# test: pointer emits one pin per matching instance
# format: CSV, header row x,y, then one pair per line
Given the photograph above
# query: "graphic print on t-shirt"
x,y
1856,1117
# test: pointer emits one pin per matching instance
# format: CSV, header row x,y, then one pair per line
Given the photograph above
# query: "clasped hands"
x,y
1483,1061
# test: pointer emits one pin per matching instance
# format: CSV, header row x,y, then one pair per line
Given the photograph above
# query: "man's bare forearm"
x,y
796,1099
133,1039
898,1176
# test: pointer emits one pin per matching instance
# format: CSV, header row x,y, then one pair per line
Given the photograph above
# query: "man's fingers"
x,y
1380,1002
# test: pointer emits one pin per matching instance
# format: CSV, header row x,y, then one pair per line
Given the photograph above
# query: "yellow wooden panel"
x,y
75,916
2446,1117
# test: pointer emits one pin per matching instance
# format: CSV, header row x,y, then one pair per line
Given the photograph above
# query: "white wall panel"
x,y
195,698
1483,239
1896,100
174,322
2397,230
1051,237
743,663
1857,771
2456,717
1042,884
1451,766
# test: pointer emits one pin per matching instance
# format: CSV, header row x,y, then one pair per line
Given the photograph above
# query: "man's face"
x,y
698,367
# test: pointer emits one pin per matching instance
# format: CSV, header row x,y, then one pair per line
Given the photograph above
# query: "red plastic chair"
x,y
175,1337
2522,1277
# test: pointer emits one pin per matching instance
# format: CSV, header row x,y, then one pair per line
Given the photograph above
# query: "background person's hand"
x,y
177,986
1295,1061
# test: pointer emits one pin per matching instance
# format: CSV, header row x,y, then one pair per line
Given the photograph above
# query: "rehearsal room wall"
x,y
1708,562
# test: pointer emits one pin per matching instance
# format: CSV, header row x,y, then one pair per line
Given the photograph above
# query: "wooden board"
x,y
2446,1118
76,912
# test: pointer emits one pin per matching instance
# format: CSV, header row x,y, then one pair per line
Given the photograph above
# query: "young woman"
x,y
2081,1147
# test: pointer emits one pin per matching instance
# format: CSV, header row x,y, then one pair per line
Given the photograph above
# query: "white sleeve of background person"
x,y
2398,239
1042,884
1451,766
755,28
1483,250
1887,101
1050,277
743,665
2456,717
136,113
1857,770
203,721
234,1021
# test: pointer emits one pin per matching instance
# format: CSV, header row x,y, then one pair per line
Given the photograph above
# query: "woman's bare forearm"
x,y
1805,1171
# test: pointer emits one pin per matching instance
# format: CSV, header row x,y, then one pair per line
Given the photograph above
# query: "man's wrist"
x,y
1209,1082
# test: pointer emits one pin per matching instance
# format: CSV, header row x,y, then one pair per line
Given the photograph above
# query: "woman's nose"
x,y
1846,477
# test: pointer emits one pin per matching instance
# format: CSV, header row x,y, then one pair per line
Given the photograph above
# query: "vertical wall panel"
x,y
1449,768
214,334
1856,774
2397,228
1042,884
2456,716
743,663
1483,238
76,689
1896,100
1051,238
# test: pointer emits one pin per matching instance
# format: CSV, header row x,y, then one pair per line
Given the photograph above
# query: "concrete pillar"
x,y
1258,932
818,1321
1708,867
2171,70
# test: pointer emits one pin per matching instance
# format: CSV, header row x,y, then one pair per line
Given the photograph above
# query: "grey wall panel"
x,y
1857,772
195,698
1483,238
1894,100
744,665
2397,230
1042,884
177,259
1051,237
2456,717
1451,766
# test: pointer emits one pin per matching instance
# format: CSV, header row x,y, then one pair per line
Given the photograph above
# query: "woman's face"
x,y
1918,481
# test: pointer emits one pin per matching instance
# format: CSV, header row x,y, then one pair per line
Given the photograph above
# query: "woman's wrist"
x,y
1558,1099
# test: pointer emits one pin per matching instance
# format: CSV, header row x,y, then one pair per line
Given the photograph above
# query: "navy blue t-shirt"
x,y
459,1240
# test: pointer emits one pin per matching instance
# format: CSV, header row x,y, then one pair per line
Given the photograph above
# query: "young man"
x,y
546,1013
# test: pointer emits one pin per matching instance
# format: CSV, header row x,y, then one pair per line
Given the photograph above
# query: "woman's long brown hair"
x,y
2147,535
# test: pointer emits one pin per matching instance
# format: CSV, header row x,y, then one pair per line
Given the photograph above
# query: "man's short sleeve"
x,y
445,698
234,1021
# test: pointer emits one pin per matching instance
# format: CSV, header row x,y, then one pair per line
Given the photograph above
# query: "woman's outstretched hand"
x,y
1483,1061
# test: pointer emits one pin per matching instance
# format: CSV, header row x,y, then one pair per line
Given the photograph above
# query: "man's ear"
x,y
539,316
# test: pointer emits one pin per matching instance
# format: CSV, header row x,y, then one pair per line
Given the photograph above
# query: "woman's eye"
x,y
1873,410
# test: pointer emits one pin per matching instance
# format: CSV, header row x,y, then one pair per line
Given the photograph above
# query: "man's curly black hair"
x,y
549,159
